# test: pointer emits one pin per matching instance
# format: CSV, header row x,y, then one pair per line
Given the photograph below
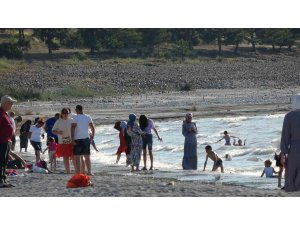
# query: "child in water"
x,y
226,137
214,157
239,143
268,170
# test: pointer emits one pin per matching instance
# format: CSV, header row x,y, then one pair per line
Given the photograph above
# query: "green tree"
x,y
188,34
91,38
72,39
182,49
48,35
213,34
152,37
252,37
277,37
120,38
235,37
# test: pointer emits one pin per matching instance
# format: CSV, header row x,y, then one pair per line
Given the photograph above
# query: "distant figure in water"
x,y
228,157
239,143
226,137
268,170
215,158
189,131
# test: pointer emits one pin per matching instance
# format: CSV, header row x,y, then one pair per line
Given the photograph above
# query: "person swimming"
x,y
239,143
227,138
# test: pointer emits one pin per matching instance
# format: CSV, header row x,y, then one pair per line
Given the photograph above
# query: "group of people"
x,y
190,159
70,136
136,137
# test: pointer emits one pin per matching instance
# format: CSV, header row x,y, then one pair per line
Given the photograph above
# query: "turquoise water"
x,y
244,169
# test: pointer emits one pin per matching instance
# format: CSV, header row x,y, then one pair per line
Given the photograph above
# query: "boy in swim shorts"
x,y
215,158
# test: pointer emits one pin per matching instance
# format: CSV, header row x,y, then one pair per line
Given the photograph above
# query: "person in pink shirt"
x,y
52,147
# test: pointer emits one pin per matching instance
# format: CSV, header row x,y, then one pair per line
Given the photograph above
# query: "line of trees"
x,y
148,41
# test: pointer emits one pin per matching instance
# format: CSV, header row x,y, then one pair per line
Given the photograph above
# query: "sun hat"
x,y
6,98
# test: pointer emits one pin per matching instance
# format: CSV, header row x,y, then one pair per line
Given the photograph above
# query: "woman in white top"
x,y
62,128
35,135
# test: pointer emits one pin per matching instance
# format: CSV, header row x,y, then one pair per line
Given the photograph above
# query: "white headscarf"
x,y
296,102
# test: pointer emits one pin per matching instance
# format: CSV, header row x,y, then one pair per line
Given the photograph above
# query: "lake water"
x,y
244,169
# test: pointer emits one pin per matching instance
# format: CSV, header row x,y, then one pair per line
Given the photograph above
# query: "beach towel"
x,y
79,180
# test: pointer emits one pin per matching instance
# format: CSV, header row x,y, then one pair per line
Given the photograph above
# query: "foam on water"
x,y
262,134
247,161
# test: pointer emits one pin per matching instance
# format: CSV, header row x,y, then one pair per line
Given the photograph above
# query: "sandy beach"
x,y
160,106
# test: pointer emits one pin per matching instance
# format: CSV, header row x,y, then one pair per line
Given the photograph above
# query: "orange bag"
x,y
79,180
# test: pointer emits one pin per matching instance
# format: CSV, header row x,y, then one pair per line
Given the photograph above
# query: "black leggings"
x,y
4,151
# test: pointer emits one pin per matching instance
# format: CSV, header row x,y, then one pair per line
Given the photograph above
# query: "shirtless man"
x,y
214,157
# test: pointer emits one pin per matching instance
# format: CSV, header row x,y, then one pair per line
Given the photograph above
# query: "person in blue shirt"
x,y
49,125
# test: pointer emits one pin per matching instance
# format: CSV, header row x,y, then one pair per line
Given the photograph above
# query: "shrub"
x,y
79,56
10,51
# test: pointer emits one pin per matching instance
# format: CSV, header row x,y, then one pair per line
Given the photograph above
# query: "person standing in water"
x,y
189,131
215,158
147,126
122,147
135,133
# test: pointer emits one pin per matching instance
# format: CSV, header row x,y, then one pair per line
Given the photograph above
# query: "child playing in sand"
x,y
215,158
226,137
52,147
280,160
268,170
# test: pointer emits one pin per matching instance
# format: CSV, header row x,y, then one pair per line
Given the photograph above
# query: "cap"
x,y
6,98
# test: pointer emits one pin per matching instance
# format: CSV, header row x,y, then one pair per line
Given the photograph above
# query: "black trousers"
x,y
4,151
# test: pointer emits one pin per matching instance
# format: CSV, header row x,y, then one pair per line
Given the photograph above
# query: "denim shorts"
x,y
36,145
82,147
147,140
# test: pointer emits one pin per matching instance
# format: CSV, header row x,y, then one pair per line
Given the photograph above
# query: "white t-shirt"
x,y
82,128
65,127
12,120
72,115
36,133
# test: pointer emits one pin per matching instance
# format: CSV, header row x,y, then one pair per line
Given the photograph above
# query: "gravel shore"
x,y
280,70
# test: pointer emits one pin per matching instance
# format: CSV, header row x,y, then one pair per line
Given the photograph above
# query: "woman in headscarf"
x,y
290,146
189,131
122,147
135,133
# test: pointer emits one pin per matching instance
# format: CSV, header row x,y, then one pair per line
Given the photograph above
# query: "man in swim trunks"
x,y
215,158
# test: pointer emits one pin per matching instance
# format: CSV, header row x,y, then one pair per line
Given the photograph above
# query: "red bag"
x,y
79,180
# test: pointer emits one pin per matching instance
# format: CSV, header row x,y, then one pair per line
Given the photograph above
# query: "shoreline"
x,y
158,106
108,184
172,105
